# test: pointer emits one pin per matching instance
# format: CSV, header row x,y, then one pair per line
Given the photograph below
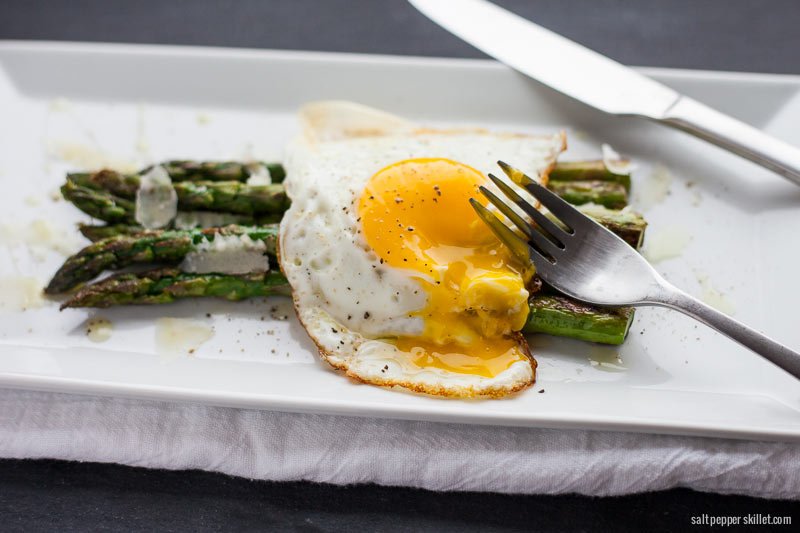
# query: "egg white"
x,y
345,298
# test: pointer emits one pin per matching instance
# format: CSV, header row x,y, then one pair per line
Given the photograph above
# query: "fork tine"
x,y
544,244
515,243
545,223
560,208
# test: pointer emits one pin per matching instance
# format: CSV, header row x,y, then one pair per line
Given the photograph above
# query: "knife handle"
x,y
735,136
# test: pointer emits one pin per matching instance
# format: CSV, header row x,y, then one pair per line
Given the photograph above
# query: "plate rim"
x,y
47,46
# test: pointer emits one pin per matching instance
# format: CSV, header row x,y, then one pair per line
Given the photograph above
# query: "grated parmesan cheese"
x,y
156,199
227,254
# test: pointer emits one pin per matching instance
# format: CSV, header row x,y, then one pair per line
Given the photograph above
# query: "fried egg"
x,y
393,275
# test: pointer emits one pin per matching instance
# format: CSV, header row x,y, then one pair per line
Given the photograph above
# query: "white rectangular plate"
x,y
63,106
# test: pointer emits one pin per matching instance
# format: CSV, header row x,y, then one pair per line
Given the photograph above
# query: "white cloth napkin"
x,y
342,450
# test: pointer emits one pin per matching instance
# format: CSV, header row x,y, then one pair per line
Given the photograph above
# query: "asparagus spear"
x,y
184,220
588,171
628,225
158,246
562,316
223,196
125,186
103,205
184,170
606,193
99,232
114,208
555,315
99,204
625,223
169,284
231,197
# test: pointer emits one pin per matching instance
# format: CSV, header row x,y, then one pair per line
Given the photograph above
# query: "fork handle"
x,y
785,358
735,136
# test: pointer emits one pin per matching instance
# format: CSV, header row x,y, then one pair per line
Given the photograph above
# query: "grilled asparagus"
x,y
606,193
158,246
169,284
221,196
562,316
185,170
588,171
107,195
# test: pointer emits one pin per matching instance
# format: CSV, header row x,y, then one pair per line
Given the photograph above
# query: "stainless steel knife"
x,y
565,66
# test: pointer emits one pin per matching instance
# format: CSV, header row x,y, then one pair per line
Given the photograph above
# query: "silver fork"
x,y
588,262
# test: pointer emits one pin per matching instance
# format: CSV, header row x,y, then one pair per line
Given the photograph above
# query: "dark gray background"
x,y
745,35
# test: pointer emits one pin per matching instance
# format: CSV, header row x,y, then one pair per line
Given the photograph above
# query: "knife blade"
x,y
616,89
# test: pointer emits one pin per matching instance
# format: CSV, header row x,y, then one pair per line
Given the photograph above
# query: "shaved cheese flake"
x,y
227,254
260,176
156,199
614,162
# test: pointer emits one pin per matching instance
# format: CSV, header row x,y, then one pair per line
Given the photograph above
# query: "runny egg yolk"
x,y
416,215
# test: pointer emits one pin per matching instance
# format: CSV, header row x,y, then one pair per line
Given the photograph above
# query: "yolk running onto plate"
x,y
416,215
